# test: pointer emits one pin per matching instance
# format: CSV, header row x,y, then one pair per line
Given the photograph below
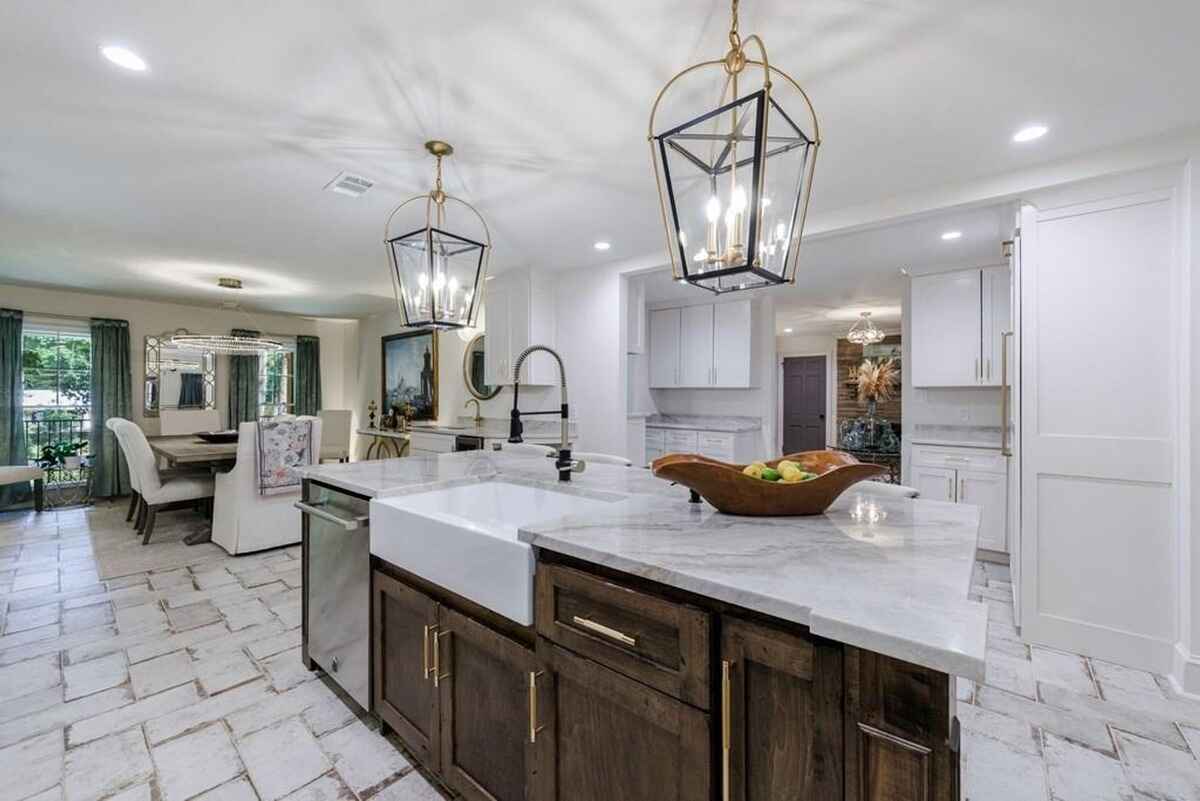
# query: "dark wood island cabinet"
x,y
626,690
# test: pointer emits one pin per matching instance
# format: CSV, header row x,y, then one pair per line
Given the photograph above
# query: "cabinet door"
x,y
782,724
637,317
988,491
497,351
733,334
484,690
604,737
664,348
405,623
696,346
934,483
997,299
946,329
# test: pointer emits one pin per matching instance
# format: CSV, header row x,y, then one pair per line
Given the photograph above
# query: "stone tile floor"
x,y
169,673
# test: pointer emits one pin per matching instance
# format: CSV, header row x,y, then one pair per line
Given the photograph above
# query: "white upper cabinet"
x,y
997,319
696,340
664,348
516,315
732,344
957,320
707,345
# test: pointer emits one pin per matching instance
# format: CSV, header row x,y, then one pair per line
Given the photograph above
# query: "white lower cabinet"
x,y
963,475
723,445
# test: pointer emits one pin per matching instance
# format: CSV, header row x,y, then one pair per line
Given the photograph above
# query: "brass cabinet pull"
x,y
1005,449
600,628
962,489
950,488
425,652
534,728
438,675
726,726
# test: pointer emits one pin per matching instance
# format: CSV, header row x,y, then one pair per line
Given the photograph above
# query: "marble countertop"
x,y
732,425
888,575
963,436
539,430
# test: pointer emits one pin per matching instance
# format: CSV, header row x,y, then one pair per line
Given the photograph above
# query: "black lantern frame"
x,y
424,255
769,252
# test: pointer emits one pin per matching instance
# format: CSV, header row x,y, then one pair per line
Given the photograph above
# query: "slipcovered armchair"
x,y
335,434
244,518
20,474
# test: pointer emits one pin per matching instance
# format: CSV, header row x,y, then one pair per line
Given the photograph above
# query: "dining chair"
x,y
245,518
335,433
113,424
173,422
157,495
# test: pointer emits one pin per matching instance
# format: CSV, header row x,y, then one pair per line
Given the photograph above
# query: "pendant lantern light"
x,y
734,168
437,275
864,331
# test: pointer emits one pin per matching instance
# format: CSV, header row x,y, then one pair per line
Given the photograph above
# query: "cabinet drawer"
x,y
660,643
959,459
680,441
655,437
437,443
715,445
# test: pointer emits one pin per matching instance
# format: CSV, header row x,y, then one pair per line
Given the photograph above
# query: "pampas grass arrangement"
x,y
877,380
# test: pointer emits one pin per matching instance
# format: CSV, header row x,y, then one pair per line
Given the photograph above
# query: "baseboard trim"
x,y
1112,645
1185,673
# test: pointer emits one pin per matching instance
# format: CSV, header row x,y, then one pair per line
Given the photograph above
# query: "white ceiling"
x,y
212,162
840,276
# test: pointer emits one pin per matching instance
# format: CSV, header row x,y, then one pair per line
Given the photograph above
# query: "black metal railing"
x,y
61,429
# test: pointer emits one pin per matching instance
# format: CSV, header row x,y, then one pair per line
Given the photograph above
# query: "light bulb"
x,y
701,255
780,232
713,209
766,201
439,281
453,284
422,280
737,200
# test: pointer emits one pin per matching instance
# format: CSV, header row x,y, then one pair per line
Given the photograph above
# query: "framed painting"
x,y
410,372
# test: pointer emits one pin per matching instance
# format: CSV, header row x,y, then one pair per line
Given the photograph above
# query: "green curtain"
x,y
112,396
243,385
308,375
12,423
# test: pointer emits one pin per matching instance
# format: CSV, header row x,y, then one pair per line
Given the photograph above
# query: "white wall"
x,y
152,317
808,345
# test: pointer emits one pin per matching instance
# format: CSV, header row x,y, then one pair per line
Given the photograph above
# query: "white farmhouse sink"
x,y
465,538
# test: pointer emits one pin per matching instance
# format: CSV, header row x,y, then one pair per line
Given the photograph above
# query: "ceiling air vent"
x,y
346,184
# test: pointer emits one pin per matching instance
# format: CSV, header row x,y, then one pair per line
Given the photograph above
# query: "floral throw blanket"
x,y
284,446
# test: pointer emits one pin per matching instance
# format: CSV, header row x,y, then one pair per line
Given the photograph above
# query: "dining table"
x,y
188,450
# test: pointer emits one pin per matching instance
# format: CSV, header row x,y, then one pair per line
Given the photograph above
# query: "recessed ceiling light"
x,y
787,330
602,245
952,235
124,57
1030,132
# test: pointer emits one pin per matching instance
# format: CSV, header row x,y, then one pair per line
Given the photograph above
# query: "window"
x,y
276,381
56,367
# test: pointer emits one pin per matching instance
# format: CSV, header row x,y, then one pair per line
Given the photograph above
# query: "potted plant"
x,y
65,454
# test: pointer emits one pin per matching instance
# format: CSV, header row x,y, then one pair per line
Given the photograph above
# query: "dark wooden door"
x,y
405,697
606,737
804,400
782,693
484,695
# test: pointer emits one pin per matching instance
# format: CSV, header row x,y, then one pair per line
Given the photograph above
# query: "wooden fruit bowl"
x,y
732,492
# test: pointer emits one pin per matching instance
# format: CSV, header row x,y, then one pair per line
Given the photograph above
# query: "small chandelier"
x,y
865,332
437,276
225,344
734,179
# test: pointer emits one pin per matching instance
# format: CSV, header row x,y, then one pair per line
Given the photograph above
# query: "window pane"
x,y
75,353
40,351
40,388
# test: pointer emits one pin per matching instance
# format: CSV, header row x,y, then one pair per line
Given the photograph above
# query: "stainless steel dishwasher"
x,y
337,586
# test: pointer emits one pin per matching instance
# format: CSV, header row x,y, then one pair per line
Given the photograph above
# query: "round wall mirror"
x,y
473,370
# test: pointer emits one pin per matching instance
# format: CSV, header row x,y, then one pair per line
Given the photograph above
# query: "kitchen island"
x,y
669,651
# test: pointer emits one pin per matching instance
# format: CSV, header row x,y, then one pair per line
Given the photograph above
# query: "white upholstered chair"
x,y
245,520
21,474
113,424
157,493
335,434
188,421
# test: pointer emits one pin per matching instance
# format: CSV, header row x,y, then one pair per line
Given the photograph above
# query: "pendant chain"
x,y
735,39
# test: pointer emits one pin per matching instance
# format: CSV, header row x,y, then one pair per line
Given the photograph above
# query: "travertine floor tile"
x,y
1018,734
22,678
362,758
994,771
107,765
189,765
1063,669
326,788
32,766
282,758
1080,774
132,714
161,673
58,715
31,618
222,671
1159,771
413,787
86,617
193,715
239,789
286,670
192,616
94,675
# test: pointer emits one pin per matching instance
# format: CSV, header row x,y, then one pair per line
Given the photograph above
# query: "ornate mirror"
x,y
176,378
473,370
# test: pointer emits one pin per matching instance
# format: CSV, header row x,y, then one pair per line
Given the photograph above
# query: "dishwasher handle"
x,y
318,510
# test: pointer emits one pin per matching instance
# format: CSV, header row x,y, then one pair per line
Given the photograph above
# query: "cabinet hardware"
x,y
989,368
977,373
962,489
425,652
1005,449
600,628
438,675
726,726
950,487
534,728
